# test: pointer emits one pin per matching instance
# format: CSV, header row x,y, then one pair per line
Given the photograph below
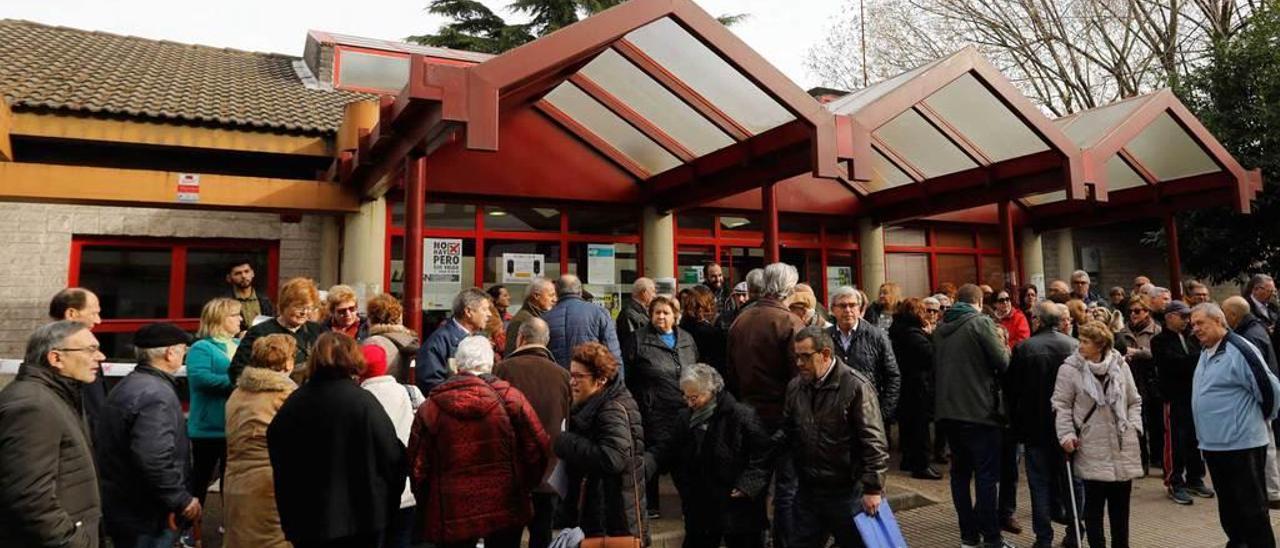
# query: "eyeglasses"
x,y
692,398
90,349
345,310
1137,310
580,376
303,309
845,305
804,356
932,311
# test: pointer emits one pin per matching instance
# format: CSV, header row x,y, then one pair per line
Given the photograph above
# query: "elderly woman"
x,y
603,449
328,494
805,306
1011,319
720,462
207,364
699,319
913,348
1098,422
659,351
342,313
248,493
880,313
298,299
932,313
386,329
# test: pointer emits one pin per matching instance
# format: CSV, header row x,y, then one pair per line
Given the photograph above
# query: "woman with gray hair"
x,y
719,457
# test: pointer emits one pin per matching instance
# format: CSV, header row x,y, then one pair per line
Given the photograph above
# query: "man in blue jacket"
x,y
470,315
1234,397
574,321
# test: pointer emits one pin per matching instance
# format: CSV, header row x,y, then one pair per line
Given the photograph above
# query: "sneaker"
x,y
1180,496
188,538
970,543
1011,525
1200,491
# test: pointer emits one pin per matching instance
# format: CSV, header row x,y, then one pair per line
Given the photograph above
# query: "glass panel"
x,y
741,222
952,237
968,106
919,143
1166,149
885,174
842,269
521,218
395,208
957,269
604,221
455,216
1120,176
695,221
609,295
397,267
495,267
842,229
613,130
803,224
130,282
738,261
703,70
910,271
901,235
1047,198
808,263
700,257
207,272
993,272
1086,128
117,347
988,238
382,72
655,103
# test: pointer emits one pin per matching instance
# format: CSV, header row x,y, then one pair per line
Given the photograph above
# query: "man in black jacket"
x,y
142,445
1245,324
82,306
1176,352
635,312
48,483
832,425
865,347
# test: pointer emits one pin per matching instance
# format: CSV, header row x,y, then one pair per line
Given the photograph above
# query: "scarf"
x,y
1108,395
700,418
958,311
229,345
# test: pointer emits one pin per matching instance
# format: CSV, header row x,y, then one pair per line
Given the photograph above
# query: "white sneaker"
x,y
967,544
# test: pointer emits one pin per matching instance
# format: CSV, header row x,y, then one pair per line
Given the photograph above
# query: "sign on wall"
x,y
522,268
189,188
601,264
839,276
441,272
692,275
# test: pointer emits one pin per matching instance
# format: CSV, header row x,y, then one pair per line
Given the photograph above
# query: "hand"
x,y
1070,444
871,504
736,494
192,511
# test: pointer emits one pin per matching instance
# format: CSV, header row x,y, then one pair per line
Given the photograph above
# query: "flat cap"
x,y
160,335
1177,306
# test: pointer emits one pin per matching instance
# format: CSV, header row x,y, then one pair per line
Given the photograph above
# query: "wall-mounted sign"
x,y
441,272
601,264
189,187
522,268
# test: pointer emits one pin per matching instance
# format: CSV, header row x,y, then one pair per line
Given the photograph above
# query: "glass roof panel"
x,y
1120,176
978,115
1046,198
923,146
706,73
658,105
1087,127
853,102
1166,149
613,130
885,174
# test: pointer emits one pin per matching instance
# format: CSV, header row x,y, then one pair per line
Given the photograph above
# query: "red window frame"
x,y
178,271
932,249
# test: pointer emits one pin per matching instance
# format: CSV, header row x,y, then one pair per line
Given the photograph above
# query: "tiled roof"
x,y
59,68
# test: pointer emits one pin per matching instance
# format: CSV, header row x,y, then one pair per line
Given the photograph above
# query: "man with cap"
x,y
142,446
1176,352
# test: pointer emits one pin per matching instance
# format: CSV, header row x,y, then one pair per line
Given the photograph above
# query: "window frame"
x,y
933,250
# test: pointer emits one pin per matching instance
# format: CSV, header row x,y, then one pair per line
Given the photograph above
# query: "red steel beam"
x,y
1175,255
968,147
769,203
415,197
1007,247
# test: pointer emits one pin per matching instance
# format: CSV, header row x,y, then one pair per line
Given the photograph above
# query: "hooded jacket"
x,y
1109,449
968,360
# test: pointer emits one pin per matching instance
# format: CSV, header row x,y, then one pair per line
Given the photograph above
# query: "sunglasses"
x,y
1137,310
1003,300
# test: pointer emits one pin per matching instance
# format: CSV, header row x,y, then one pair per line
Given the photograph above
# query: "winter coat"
x,y
1015,324
1254,331
604,452
968,359
574,321
533,371
435,356
1108,449
209,386
655,379
248,493
1141,362
1175,359
401,344
835,433
400,401
913,350
871,353
476,451
143,453
631,318
528,310
761,357
362,328
336,462
730,451
1030,382
710,340
305,336
48,482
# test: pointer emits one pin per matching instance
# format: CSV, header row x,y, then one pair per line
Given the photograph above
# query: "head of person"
x,y
298,299
1117,296
568,285
220,317
335,356
739,294
161,345
1058,291
644,290
755,283
1160,298
1196,293
1102,315
542,294
846,305
1139,281
1235,309
1003,304
1139,311
987,293
715,276
240,273
911,311
471,309
1047,316
474,355
341,306
780,281
76,304
813,349
1028,296
1080,283
948,289
590,369
384,309
1208,324
533,332
1096,340
932,310
803,304
1079,311
68,348
501,297
274,352
943,301
1177,316
1064,315
701,385
970,294
699,304
1262,288
889,295
494,325
664,313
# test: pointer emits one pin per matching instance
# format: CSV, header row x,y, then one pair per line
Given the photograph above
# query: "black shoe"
x,y
940,459
654,514
1200,491
1011,525
1273,504
926,473
1180,496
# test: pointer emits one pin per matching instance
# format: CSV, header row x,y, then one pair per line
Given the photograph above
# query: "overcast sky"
x,y
781,30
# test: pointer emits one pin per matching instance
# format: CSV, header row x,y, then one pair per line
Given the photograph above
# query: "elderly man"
x,y
81,305
969,358
865,347
476,444
1234,396
540,298
1248,326
470,315
142,445
1058,292
1138,282
1080,288
1196,293
532,370
1176,352
1260,292
832,425
49,485
635,312
574,321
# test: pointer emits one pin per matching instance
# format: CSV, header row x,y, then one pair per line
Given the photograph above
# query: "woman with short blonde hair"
x,y
207,363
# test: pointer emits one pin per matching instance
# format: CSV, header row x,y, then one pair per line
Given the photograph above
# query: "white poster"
x,y
839,276
522,268
601,267
441,272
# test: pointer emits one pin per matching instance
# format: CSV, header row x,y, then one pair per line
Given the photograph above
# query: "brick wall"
x,y
35,249
1124,256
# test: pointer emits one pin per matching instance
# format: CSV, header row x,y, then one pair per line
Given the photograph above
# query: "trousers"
x,y
975,457
1239,478
1113,498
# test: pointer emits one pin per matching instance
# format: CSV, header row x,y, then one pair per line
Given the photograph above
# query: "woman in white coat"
x,y
400,402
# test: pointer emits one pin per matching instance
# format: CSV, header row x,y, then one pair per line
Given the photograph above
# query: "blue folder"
x,y
880,530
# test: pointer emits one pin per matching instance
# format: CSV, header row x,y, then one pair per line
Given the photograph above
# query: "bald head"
x,y
533,331
643,290
1235,308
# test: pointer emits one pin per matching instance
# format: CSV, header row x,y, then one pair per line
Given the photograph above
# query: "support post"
x,y
1007,254
1175,256
658,234
415,197
360,265
769,197
871,254
1066,252
1033,259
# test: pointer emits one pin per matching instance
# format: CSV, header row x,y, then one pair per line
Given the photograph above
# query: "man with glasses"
x,y
1197,293
865,347
1080,289
1142,328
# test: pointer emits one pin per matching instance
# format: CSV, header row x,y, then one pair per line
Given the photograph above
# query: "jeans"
x,y
1112,497
1183,465
544,516
821,516
785,484
1238,477
1047,480
162,539
975,457
1008,475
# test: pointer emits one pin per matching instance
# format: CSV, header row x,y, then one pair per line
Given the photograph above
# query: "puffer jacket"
x,y
871,353
248,492
655,379
834,430
913,350
1106,453
48,483
1032,376
604,452
968,360
574,321
477,450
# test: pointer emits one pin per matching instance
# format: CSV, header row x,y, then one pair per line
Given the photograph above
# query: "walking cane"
x,y
1075,511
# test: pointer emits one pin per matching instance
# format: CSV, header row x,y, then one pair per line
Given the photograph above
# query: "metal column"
x,y
415,197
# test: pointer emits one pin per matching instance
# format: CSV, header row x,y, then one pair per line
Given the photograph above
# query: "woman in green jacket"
x,y
207,364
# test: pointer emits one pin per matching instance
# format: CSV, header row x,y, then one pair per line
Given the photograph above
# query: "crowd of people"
x,y
329,426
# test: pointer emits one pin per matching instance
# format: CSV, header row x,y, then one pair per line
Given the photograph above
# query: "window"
x,y
143,280
921,258
378,72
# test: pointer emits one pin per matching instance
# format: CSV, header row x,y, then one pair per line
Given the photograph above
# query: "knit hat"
x,y
375,359
740,288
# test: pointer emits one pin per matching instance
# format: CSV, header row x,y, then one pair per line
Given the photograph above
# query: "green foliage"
x,y
1237,96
